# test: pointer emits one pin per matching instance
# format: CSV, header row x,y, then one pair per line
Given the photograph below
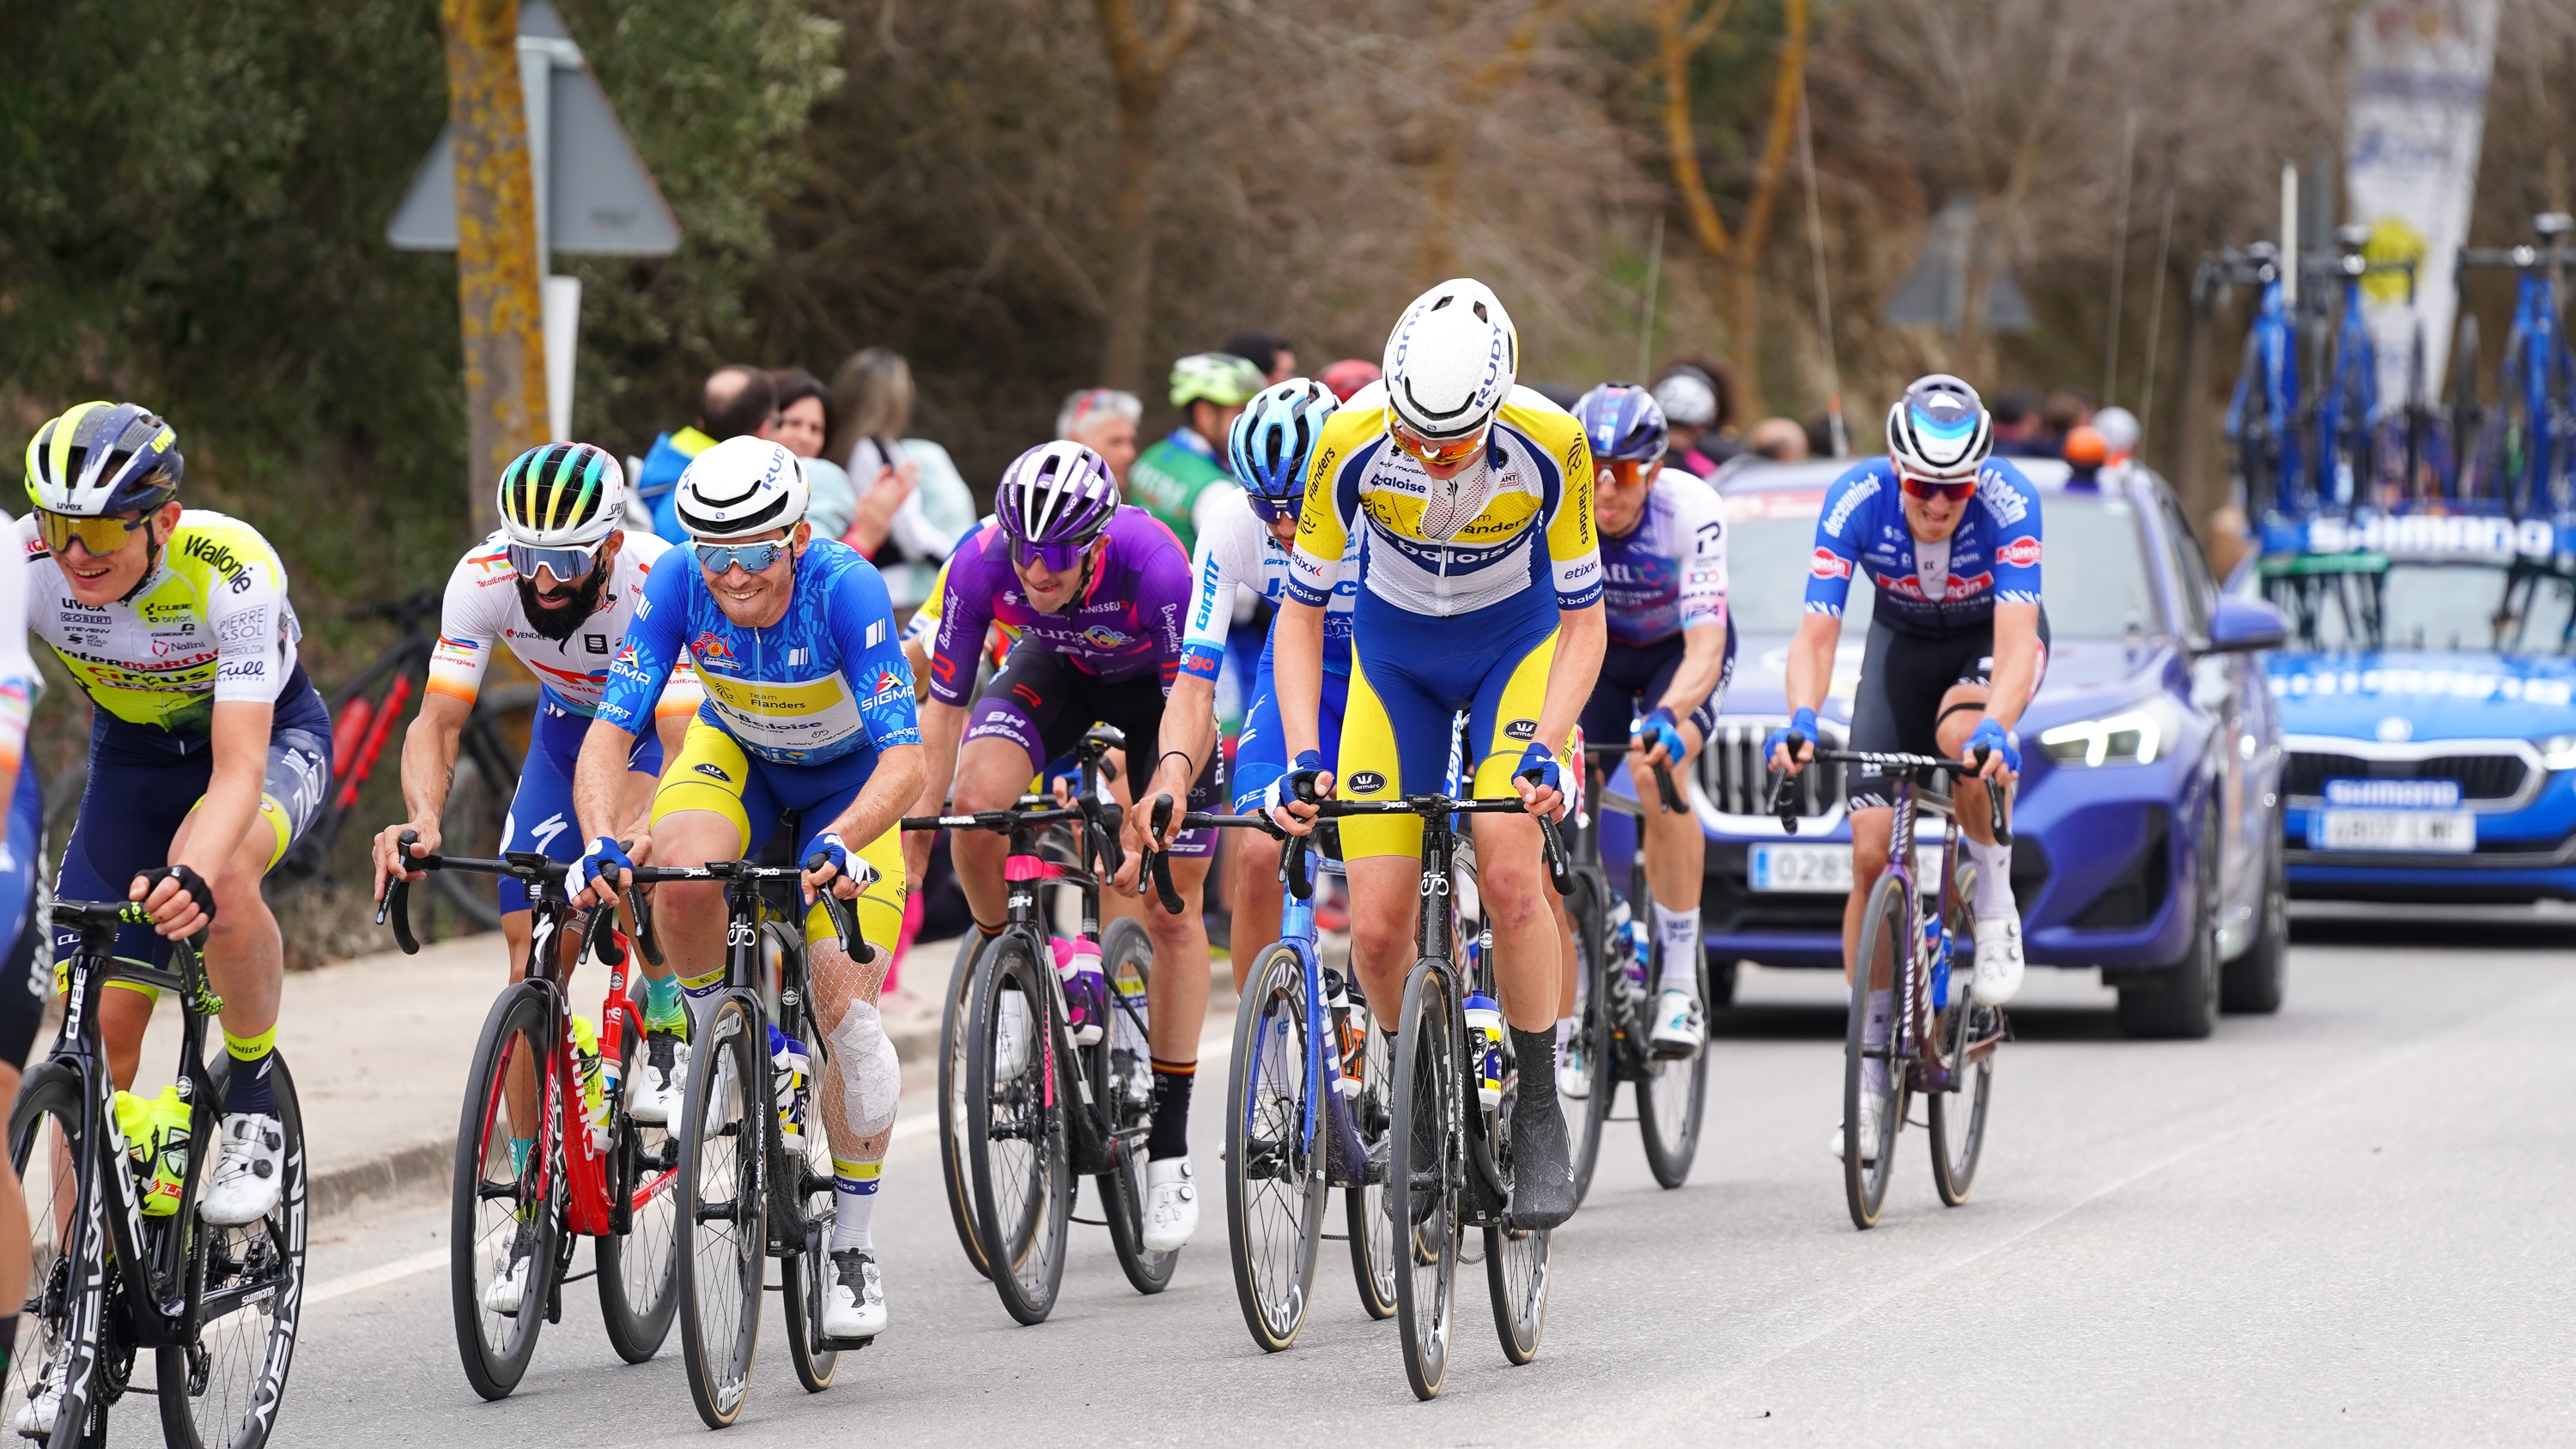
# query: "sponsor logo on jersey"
x,y
1522,729
1861,492
2002,499
219,557
251,625
1101,636
710,648
1830,565
712,771
595,643
2021,553
1367,782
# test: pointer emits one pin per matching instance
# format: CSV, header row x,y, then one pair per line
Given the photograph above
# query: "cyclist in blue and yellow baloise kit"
x,y
1950,538
1479,591
808,709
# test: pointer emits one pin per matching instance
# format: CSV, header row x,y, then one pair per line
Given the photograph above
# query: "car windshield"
x,y
2368,601
2094,575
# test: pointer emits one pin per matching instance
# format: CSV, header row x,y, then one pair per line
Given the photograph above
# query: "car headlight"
x,y
2131,737
2558,752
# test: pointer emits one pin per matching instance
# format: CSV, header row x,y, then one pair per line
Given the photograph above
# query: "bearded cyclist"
x,y
1671,653
1479,591
808,710
1096,593
1958,643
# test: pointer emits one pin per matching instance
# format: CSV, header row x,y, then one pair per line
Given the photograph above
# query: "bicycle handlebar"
x,y
1665,789
1918,767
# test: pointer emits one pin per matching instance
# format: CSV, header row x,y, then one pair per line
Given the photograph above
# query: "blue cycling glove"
x,y
1991,736
1802,726
1660,728
837,853
605,858
1304,770
1539,767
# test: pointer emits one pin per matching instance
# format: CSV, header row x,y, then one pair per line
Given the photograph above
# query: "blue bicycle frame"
x,y
2354,381
2272,365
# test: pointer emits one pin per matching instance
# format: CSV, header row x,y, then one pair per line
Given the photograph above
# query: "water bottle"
x,y
588,1069
1086,989
156,1132
787,1056
1485,1028
1348,1035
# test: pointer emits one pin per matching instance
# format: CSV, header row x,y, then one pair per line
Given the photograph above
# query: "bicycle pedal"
x,y
843,1345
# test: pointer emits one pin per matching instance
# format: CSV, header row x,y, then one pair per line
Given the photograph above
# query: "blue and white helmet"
x,y
1274,438
1451,360
740,487
1622,423
1939,431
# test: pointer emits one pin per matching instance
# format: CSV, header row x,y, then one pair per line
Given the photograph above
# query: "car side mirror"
x,y
2246,626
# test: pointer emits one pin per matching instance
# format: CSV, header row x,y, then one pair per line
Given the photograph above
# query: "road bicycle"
x,y
538,1164
2352,442
2264,412
1615,999
217,1307
1939,1044
1039,1106
2525,443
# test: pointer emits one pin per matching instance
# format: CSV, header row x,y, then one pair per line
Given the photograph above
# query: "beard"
x,y
560,623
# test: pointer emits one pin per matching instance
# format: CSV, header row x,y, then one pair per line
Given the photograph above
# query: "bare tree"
x,y
1141,62
1679,34
496,244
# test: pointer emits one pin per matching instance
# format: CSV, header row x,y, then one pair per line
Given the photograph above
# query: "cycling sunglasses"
x,y
718,559
1271,510
1437,455
1629,473
1056,558
1925,488
98,536
567,564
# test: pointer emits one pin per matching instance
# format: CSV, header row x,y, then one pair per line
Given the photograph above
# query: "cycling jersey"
x,y
1668,573
1929,589
1516,521
827,681
1183,483
925,620
1240,551
1127,624
483,604
209,625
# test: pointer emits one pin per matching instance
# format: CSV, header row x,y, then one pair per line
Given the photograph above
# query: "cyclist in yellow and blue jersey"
x,y
1479,592
809,709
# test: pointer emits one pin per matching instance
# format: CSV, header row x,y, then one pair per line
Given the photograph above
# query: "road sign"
x,y
1935,293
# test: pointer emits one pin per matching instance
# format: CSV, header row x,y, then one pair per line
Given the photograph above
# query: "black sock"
x,y
8,1341
1534,1055
1171,1134
247,1090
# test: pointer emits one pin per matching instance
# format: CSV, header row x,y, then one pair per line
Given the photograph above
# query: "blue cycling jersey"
x,y
1927,588
827,681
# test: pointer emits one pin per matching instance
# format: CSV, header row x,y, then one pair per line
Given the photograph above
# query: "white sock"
x,y
854,1203
1873,1070
1994,894
1565,1028
1677,934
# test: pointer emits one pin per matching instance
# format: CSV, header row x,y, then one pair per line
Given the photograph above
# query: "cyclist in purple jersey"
x,y
1098,594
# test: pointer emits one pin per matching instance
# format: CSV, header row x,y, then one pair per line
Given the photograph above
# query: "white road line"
x,y
377,1276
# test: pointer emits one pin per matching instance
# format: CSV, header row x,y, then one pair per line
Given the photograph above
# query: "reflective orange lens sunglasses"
x,y
1437,455
1629,473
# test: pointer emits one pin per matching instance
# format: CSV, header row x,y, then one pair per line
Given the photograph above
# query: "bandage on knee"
x,y
871,1074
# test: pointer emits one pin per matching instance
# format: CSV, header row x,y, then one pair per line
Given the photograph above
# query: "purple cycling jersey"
x,y
1129,622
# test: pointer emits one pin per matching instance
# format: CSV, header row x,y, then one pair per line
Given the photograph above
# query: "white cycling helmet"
x,y
1451,360
740,487
1939,431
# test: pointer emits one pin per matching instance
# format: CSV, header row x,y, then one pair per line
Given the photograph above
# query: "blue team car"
x,y
2428,703
2148,814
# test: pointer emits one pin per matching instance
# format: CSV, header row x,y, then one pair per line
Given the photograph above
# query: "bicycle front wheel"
x,y
223,1393
1127,1085
723,1219
1371,1229
805,1277
1015,1130
1874,1073
66,1302
1587,1083
1274,1178
1516,1274
1958,1116
956,1010
1672,1092
1426,1168
503,1221
639,1275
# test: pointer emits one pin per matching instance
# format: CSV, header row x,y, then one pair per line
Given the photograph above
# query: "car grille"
x,y
1737,779
2481,776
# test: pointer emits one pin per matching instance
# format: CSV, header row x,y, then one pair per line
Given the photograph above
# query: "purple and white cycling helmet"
x,y
1053,501
1622,423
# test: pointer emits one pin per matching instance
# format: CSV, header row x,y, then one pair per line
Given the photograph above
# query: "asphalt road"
x,y
2341,1224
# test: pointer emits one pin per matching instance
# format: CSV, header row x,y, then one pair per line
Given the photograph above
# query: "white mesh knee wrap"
x,y
871,1075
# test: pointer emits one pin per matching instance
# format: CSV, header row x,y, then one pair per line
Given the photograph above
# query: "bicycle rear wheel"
x,y
955,1010
1015,1132
1274,1178
1591,1048
723,1219
1371,1230
223,1393
1886,938
1424,1175
66,1305
1126,1085
1672,1092
639,1275
504,1203
1958,1116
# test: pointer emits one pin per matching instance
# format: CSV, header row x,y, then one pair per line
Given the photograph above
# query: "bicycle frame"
x,y
2270,373
2538,368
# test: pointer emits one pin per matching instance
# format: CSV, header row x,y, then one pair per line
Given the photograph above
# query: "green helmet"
x,y
1217,377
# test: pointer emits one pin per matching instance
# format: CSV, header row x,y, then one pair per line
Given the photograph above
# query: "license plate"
x,y
2453,831
1824,869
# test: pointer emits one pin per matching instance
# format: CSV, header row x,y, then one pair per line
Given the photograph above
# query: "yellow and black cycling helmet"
x,y
101,458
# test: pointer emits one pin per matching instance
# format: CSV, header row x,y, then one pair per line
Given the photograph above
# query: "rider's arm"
x,y
19,681
223,819
2016,662
1189,713
467,629
882,681
953,649
1703,605
2012,505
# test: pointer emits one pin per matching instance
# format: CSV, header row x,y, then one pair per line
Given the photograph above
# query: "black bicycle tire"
x,y
1670,1160
1587,912
1007,962
522,1012
170,1365
1425,1053
804,1276
721,1043
56,1087
1954,1173
955,1177
1122,1188
1372,1235
635,1335
1865,1184
1277,980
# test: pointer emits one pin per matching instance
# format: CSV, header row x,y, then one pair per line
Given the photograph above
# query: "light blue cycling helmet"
x,y
1622,423
1273,440
1939,431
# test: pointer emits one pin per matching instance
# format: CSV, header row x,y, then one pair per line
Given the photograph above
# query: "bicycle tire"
x,y
1371,1231
1672,1092
804,1276
639,1274
1586,910
59,1316
1516,1270
1429,1086
954,1013
723,1236
1957,1118
1024,1192
1886,949
234,1403
1126,1084
1274,1177
517,1035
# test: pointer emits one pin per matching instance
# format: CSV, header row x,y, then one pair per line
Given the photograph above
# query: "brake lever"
x,y
1559,874
397,901
601,939
1161,860
642,913
1994,800
844,921
1664,786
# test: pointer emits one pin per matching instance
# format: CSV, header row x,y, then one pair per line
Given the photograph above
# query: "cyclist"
x,y
557,582
808,710
1479,590
1181,480
1949,536
209,751
1671,653
1096,593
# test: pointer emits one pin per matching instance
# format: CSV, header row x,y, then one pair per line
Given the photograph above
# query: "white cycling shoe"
x,y
1012,1037
1871,1109
250,1175
1999,964
1681,1027
35,1418
659,1087
855,1307
509,1286
1573,1074
1171,1205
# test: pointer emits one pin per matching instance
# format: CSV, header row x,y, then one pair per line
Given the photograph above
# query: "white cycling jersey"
x,y
1236,550
483,605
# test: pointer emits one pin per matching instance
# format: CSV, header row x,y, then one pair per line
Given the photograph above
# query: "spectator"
x,y
2085,454
2018,433
804,425
1265,350
1183,479
1782,440
1348,376
2064,412
2119,429
912,504
1104,420
1698,403
736,401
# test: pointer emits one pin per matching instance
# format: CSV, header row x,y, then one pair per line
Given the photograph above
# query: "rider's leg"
x,y
1176,1004
992,770
861,1076
1258,897
1998,916
245,963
